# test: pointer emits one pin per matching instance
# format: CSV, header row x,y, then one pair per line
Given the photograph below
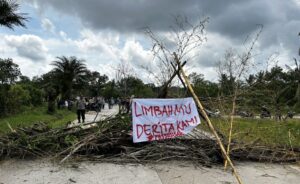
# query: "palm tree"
x,y
68,70
8,15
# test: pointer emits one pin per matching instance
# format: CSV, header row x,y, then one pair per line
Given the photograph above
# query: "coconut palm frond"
x,y
9,16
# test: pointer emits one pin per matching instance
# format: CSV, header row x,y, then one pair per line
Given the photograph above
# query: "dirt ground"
x,y
48,172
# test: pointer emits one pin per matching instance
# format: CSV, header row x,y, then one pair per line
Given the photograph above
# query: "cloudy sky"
x,y
107,32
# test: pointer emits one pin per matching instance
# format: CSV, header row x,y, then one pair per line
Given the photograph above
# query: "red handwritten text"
x,y
164,130
159,111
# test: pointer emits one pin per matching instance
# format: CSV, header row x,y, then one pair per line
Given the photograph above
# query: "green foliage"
x,y
90,84
9,71
9,16
93,83
146,92
71,140
227,84
17,97
134,86
110,90
36,94
51,86
68,71
9,99
13,98
275,88
202,87
24,80
3,99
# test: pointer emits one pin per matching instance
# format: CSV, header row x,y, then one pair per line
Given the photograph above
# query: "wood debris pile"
x,y
111,141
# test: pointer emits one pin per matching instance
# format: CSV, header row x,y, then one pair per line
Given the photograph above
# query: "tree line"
x,y
276,88
68,79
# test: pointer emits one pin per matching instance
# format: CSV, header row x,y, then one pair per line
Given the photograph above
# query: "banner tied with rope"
x,y
157,119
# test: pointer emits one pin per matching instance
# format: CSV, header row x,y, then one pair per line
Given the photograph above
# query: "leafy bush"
x,y
36,95
16,98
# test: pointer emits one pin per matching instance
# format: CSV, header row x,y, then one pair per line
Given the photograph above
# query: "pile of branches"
x,y
111,141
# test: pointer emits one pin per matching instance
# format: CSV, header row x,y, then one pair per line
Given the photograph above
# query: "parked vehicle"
x,y
265,113
215,113
290,114
245,114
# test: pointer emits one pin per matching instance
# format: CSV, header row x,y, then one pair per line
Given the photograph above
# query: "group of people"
x,y
93,104
97,104
68,104
84,104
125,104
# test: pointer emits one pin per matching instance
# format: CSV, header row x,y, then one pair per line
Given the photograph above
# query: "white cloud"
x,y
28,46
48,25
103,51
103,43
63,35
134,53
112,34
28,66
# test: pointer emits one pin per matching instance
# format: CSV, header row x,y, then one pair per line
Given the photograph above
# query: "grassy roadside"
x,y
37,114
264,131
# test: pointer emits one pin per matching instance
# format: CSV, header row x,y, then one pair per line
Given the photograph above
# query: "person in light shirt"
x,y
81,109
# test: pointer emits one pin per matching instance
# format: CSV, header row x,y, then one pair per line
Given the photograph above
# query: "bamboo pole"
x,y
207,120
231,126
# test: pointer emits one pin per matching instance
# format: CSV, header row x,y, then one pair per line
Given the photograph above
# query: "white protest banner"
x,y
157,119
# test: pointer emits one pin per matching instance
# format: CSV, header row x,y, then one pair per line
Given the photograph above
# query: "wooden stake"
x,y
163,89
178,74
207,119
231,127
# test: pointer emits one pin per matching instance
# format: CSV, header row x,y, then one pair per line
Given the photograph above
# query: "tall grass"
x,y
262,131
34,115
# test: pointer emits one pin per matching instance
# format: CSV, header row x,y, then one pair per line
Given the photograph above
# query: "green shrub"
x,y
16,98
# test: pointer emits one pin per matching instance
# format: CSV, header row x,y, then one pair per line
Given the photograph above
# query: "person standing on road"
x,y
81,109
128,103
111,102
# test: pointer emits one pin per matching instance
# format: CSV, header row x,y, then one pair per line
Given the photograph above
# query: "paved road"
x,y
91,115
47,172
